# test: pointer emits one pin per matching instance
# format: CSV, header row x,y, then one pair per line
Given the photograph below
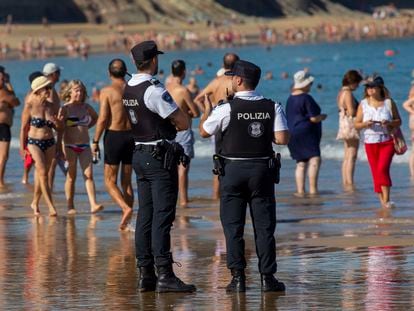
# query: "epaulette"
x,y
155,81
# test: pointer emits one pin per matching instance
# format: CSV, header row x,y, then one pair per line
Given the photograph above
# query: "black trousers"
x,y
248,182
157,198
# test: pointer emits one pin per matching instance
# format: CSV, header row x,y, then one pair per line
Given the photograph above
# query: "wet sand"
x,y
331,255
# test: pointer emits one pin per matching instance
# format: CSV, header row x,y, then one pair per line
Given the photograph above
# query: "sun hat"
x,y
302,79
50,68
39,83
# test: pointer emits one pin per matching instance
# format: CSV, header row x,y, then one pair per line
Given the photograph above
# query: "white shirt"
x,y
219,118
156,97
376,133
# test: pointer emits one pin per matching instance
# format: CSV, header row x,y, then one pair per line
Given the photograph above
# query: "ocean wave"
x,y
7,196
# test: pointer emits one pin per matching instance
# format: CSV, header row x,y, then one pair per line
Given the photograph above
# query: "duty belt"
x,y
148,148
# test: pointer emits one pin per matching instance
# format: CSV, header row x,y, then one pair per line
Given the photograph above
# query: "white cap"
x,y
50,68
302,79
220,72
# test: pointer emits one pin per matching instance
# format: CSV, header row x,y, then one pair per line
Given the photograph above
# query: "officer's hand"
x,y
95,148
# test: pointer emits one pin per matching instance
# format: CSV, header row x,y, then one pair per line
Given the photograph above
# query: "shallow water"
x,y
338,250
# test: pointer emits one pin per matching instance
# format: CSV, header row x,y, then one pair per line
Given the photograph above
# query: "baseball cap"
x,y
39,83
145,51
50,68
245,69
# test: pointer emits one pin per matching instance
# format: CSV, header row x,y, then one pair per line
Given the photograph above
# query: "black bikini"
x,y
42,144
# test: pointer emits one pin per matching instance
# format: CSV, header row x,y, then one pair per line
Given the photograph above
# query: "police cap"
x,y
246,70
145,51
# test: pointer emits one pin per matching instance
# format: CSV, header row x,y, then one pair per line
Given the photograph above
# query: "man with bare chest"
x,y
118,142
7,103
183,99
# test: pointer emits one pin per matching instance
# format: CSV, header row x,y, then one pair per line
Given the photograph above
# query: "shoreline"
x,y
82,40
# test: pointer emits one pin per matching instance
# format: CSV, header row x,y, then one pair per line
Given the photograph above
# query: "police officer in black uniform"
x,y
155,119
247,124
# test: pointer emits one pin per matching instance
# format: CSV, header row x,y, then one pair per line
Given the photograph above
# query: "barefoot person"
x,y
118,142
377,116
39,113
218,89
347,106
79,117
52,72
408,105
182,98
7,103
304,119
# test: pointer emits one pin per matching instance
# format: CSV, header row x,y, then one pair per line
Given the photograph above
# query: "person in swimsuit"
x,y
347,105
182,98
408,105
78,117
7,103
118,141
38,113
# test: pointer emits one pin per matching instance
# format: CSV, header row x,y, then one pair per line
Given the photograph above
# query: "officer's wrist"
x,y
95,142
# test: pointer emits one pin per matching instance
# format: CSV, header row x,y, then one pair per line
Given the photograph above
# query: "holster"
x,y
171,154
274,166
218,163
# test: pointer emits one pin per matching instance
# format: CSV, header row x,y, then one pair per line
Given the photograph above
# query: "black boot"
x,y
147,279
169,282
271,284
238,282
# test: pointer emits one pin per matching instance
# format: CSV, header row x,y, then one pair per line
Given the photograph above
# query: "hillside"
x,y
169,11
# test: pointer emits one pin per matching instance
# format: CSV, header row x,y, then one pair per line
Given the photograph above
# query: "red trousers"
x,y
379,158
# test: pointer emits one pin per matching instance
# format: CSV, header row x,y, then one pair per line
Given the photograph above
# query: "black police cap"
x,y
145,51
245,69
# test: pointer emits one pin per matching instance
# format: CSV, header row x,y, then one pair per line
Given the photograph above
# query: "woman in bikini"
x,y
347,106
78,118
38,114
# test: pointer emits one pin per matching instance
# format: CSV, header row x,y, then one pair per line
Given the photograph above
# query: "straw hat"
x,y
302,79
39,83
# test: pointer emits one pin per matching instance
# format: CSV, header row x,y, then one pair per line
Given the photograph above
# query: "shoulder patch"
x,y
154,81
167,97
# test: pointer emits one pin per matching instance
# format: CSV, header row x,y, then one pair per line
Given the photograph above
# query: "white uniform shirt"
x,y
219,118
156,98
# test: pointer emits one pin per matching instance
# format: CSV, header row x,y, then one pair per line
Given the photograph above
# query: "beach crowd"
x,y
77,44
146,128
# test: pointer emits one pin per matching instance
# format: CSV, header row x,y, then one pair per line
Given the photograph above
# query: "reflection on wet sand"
x,y
83,263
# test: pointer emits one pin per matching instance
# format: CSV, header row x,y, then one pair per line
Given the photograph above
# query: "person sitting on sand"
x,y
38,113
78,118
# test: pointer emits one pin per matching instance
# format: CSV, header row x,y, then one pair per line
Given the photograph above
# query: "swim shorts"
x,y
5,134
118,147
186,140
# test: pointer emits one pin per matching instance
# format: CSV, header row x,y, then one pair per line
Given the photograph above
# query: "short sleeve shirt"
x,y
156,97
219,119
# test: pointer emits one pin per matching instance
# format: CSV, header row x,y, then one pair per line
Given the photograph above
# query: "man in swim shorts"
x,y
7,103
182,98
118,142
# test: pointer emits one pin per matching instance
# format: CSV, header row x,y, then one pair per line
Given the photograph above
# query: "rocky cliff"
x,y
167,11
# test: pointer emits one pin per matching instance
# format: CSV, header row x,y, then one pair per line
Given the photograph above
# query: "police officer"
x,y
248,124
155,119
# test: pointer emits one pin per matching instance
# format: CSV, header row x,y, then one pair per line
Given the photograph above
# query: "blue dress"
x,y
305,136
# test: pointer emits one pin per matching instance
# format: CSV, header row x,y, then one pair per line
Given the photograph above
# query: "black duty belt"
x,y
148,148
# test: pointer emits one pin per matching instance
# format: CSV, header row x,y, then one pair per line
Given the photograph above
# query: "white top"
x,y
219,118
376,133
156,97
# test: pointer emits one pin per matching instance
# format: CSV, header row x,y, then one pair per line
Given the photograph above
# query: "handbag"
x,y
346,128
400,145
